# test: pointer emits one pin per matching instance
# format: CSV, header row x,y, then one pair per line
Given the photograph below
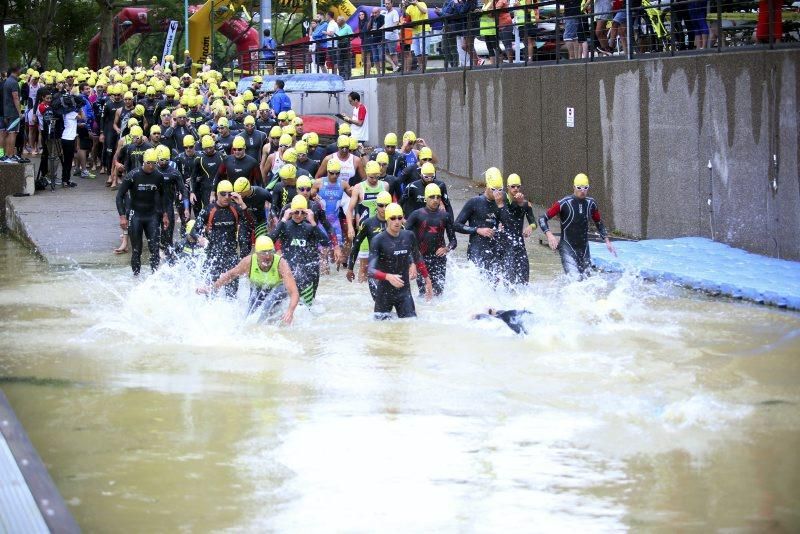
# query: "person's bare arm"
x,y
291,288
323,167
355,198
241,269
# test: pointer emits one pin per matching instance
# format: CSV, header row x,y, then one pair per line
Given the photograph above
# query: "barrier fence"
x,y
540,31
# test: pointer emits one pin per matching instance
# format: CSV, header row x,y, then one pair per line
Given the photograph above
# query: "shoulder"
x,y
565,200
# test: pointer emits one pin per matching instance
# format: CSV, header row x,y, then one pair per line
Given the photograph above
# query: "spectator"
x,y
30,117
418,11
488,31
68,136
331,31
467,8
698,11
11,113
280,101
187,62
358,121
602,14
316,33
505,27
268,48
363,30
343,45
450,33
575,30
391,18
374,39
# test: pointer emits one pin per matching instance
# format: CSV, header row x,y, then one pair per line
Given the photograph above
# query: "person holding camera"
x,y
71,109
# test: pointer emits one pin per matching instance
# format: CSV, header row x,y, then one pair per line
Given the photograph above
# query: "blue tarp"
x,y
299,83
703,264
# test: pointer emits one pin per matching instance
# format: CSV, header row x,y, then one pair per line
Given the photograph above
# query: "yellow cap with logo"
x,y
303,181
238,142
334,165
425,153
289,155
188,141
384,198
224,186
150,156
343,141
299,202
249,120
285,140
241,185
313,139
409,136
344,129
162,152
301,147
275,131
136,131
494,178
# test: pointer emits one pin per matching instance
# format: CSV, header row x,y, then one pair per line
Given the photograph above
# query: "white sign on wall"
x,y
570,117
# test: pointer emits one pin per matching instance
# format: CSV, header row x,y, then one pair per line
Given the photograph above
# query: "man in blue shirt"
x,y
268,47
280,101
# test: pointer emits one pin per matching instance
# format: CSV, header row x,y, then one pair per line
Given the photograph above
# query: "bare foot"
x,y
121,250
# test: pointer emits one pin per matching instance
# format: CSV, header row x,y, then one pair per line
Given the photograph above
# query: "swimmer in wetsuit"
x,y
515,319
367,230
575,211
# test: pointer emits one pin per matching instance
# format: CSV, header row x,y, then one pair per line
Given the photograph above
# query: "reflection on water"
x,y
632,405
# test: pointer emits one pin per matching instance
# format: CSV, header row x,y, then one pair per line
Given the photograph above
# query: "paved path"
x,y
69,226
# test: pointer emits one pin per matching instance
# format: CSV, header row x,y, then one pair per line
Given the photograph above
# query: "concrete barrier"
x,y
14,180
643,130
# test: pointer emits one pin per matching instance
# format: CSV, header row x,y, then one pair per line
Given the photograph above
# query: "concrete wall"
x,y
644,132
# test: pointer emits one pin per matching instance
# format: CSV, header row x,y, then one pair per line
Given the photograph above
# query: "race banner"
x,y
172,31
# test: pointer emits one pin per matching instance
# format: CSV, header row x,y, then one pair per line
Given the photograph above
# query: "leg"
x,y
135,231
151,231
265,301
68,153
404,304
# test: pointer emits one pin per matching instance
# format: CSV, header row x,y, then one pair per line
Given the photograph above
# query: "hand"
x,y
499,197
351,234
287,215
610,247
212,198
102,138
337,255
202,241
287,317
350,275
395,280
421,142
527,231
412,271
519,198
186,214
165,221
441,251
204,290
310,216
552,240
192,198
428,289
123,222
486,232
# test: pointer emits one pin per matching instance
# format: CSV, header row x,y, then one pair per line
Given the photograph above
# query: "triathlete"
x,y
257,200
175,192
515,319
367,230
204,174
574,211
430,224
303,161
147,203
352,169
414,197
363,204
481,218
391,254
254,139
300,238
515,257
271,281
240,164
334,193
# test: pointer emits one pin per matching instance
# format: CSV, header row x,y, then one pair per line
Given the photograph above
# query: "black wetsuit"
x,y
485,252
147,203
393,255
396,163
414,197
317,153
195,118
185,164
515,257
404,179
515,319
233,168
204,177
430,228
224,143
150,116
282,195
110,135
131,155
368,228
300,244
311,166
253,143
173,136
574,244
258,205
321,219
173,188
224,227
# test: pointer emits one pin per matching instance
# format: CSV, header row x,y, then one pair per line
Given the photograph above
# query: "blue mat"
x,y
706,265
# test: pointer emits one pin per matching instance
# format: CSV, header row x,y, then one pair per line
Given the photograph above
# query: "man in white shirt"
x,y
359,129
332,30
391,18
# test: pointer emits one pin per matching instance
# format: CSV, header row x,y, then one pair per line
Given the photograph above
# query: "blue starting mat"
x,y
700,263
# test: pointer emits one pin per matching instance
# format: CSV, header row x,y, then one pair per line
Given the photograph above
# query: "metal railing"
x,y
539,32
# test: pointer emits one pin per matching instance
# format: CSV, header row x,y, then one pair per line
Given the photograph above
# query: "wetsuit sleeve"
x,y
598,221
121,192
194,174
162,199
549,214
321,237
446,200
182,189
277,197
417,257
200,224
374,254
529,216
461,225
277,233
451,233
360,237
123,155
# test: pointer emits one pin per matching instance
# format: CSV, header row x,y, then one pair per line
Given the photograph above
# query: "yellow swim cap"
x,y
382,157
155,129
514,179
207,141
285,140
238,108
190,226
390,139
493,173
303,181
224,186
136,131
393,210
282,116
409,136
264,244
428,169
344,129
334,165
150,156
127,96
275,131
288,172
238,142
188,141
353,143
343,141
289,129
425,153
301,147
581,180
289,155
373,168
249,120
431,190
241,185
291,115
180,112
299,202
313,139
162,152
138,110
384,198
222,122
